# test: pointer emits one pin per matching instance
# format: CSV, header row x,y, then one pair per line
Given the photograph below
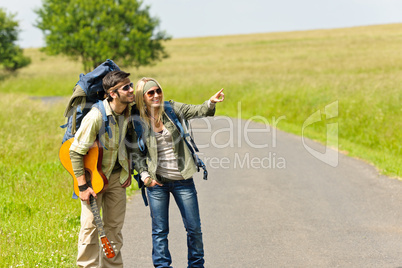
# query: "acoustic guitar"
x,y
98,180
92,164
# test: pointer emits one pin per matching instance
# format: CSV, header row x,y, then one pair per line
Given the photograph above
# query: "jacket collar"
x,y
109,111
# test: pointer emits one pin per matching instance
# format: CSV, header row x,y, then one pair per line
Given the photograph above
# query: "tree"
x,y
11,55
95,30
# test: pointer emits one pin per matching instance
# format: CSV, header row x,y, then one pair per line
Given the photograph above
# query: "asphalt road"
x,y
268,202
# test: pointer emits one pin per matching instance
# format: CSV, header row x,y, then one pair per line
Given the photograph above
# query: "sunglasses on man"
x,y
127,87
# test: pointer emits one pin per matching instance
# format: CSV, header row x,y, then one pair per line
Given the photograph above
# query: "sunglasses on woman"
x,y
150,93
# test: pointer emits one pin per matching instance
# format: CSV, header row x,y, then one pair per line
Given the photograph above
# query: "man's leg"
x,y
88,241
114,211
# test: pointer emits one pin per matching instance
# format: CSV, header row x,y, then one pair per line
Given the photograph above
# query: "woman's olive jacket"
x,y
183,155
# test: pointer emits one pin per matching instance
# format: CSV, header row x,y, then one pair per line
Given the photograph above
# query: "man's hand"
x,y
85,195
126,183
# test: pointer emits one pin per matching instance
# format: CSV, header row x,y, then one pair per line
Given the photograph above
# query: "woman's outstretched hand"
x,y
218,97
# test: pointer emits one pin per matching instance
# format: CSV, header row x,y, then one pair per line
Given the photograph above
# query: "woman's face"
x,y
153,97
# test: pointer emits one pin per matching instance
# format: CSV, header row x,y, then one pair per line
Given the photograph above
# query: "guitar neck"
x,y
107,247
98,220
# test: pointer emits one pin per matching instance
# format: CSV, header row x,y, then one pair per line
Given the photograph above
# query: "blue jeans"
x,y
185,195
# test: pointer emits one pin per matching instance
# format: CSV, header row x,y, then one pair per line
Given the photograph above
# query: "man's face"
x,y
125,94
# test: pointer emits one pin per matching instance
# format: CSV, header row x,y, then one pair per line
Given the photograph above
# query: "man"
x,y
115,166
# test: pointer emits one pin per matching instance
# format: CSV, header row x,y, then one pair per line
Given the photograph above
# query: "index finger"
x,y
220,91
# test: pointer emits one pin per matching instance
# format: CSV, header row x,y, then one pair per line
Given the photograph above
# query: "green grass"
x,y
289,74
38,221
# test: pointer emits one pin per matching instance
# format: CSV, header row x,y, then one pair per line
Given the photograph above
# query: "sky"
x,y
191,18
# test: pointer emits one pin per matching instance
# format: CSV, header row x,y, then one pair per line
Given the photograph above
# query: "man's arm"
x,y
77,161
83,140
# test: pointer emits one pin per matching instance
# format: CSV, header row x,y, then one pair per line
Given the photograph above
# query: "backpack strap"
x,y
138,127
140,136
139,130
187,138
105,121
141,186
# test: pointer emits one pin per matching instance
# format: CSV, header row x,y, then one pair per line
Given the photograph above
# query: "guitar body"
x,y
92,163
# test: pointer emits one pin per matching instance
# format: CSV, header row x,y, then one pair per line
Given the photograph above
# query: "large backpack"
x,y
88,93
183,130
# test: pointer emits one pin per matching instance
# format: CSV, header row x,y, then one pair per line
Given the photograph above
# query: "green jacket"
x,y
186,163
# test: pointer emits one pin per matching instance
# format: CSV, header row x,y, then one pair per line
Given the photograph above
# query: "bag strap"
x,y
187,138
138,127
141,186
105,121
139,130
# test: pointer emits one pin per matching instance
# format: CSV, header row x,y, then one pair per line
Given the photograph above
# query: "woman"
x,y
170,169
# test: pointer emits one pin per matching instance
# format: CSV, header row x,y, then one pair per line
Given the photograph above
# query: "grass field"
x,y
290,74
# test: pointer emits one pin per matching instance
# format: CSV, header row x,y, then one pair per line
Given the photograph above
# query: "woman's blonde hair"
x,y
140,103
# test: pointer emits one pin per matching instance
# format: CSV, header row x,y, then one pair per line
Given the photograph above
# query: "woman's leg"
x,y
185,195
158,198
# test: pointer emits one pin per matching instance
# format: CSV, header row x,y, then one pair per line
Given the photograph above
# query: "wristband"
x,y
83,188
149,182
